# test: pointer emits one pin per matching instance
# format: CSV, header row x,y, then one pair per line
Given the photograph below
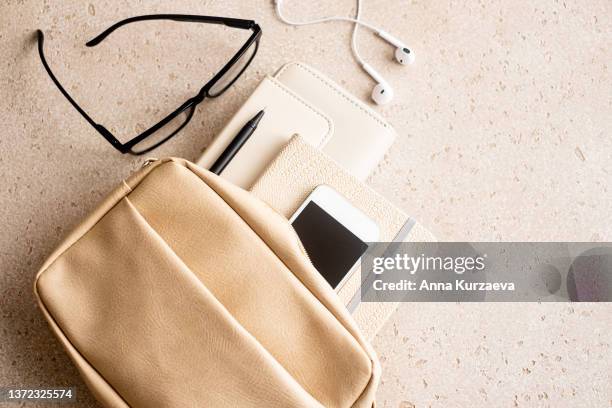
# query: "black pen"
x,y
236,143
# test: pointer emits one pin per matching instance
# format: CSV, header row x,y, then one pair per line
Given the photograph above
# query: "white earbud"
x,y
403,54
382,92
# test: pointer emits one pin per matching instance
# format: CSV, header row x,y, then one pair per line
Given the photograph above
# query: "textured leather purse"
x,y
182,290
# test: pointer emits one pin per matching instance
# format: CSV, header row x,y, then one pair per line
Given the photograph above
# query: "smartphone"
x,y
334,233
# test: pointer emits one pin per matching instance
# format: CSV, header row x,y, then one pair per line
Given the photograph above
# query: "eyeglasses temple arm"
x,y
230,22
101,129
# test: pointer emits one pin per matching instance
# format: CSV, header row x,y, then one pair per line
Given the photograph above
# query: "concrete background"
x,y
504,131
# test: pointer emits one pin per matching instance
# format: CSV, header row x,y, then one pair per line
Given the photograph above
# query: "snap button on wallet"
x,y
182,290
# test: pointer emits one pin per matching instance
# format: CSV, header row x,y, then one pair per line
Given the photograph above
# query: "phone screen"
x,y
332,248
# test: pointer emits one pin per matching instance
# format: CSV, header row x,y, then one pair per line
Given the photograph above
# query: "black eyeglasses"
x,y
163,130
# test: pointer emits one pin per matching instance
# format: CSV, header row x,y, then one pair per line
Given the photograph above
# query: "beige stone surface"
x,y
504,123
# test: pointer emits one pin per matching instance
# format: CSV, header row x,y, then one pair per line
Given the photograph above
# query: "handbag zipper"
x,y
149,161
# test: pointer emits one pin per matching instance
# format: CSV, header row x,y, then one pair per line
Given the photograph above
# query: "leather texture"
x,y
296,172
182,290
301,100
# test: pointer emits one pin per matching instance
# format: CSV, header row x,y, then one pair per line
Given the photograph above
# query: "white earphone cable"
x,y
356,54
382,92
355,21
285,20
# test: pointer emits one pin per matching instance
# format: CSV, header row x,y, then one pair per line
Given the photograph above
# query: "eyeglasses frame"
x,y
191,103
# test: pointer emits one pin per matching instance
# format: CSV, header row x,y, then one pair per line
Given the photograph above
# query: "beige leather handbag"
x,y
182,290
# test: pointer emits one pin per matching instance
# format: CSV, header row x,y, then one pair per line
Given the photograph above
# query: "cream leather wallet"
x,y
301,100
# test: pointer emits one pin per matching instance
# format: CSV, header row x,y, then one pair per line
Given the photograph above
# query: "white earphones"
x,y
382,92
403,54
